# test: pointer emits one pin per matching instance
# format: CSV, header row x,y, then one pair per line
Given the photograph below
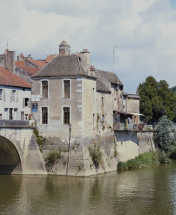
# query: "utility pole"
x,y
113,56
68,148
8,42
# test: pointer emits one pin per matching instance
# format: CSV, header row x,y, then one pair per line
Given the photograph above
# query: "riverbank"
x,y
144,160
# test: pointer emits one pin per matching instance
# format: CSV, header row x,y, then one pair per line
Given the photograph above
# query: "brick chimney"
x,y
64,48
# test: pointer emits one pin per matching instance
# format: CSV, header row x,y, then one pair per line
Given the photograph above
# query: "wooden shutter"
x,y
23,105
4,96
11,95
17,95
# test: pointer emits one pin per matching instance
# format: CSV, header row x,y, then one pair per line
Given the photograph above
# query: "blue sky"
x,y
144,32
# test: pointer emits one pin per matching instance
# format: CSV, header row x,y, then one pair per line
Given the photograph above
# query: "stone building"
x,y
70,91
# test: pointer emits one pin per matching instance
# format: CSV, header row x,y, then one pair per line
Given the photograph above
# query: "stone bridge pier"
x,y
19,152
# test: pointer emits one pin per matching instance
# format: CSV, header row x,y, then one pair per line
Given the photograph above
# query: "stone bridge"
x,y
19,152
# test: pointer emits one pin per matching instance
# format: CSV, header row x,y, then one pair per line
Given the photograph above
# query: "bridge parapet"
x,y
17,124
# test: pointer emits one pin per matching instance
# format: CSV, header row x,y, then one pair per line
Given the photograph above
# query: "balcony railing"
x,y
131,126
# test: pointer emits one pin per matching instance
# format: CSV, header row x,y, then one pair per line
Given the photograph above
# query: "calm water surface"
x,y
148,191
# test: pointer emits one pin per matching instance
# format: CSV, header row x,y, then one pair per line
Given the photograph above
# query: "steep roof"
x,y
101,87
30,70
38,63
19,63
110,76
50,57
9,79
68,65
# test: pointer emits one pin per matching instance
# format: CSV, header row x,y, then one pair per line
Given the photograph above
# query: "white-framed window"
x,y
66,86
13,96
66,115
44,115
1,91
44,89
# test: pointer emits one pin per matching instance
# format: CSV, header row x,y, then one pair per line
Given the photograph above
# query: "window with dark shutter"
x,y
44,115
66,89
66,115
44,89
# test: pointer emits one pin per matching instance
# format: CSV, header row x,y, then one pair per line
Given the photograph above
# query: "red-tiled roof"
x,y
9,79
38,63
19,63
30,70
50,57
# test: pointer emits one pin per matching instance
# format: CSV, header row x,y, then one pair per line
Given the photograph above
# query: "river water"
x,y
149,191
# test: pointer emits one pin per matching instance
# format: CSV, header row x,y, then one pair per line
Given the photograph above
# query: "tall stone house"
x,y
68,90
15,93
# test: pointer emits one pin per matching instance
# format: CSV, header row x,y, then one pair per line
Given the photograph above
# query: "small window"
x,y
66,115
0,94
102,102
44,115
66,88
44,89
26,102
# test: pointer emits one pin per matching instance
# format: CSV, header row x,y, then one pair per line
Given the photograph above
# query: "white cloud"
x,y
143,30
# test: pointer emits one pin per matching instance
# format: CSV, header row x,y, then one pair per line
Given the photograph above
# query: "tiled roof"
x,y
19,63
30,70
9,79
50,57
110,76
101,87
68,65
38,63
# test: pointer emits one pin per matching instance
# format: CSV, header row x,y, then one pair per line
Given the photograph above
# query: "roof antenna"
x,y
8,42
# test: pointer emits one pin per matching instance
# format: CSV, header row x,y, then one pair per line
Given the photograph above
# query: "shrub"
x,y
96,155
165,135
146,159
53,156
39,139
163,157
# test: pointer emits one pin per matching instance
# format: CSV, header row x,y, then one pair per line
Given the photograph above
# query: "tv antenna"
x,y
8,42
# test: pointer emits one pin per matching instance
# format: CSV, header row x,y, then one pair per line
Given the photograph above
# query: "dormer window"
x,y
44,89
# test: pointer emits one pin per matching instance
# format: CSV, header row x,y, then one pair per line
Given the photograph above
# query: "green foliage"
x,y
163,157
146,159
156,100
96,155
165,135
53,156
39,139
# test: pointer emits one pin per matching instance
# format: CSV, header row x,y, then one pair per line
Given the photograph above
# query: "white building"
x,y
15,97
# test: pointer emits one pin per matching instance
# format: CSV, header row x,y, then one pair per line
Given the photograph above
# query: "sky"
x,y
144,32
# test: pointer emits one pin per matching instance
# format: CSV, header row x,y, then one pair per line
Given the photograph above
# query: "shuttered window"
x,y
44,115
66,115
44,89
66,88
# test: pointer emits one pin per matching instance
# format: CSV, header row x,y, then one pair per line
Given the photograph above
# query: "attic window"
x,y
44,89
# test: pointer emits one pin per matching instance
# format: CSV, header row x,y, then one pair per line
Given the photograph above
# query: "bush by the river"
x,y
53,156
146,159
96,155
165,135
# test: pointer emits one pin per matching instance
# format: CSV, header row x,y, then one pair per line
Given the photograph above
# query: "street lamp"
x,y
113,56
68,148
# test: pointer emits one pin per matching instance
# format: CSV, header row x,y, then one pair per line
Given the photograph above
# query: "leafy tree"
x,y
156,100
165,135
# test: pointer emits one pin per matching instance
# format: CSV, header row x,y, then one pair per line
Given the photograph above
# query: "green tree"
x,y
156,100
165,135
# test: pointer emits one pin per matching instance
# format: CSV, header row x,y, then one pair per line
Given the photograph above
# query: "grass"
x,y
96,155
143,160
53,156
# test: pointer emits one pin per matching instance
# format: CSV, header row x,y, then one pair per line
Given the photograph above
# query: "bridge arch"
x,y
10,161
